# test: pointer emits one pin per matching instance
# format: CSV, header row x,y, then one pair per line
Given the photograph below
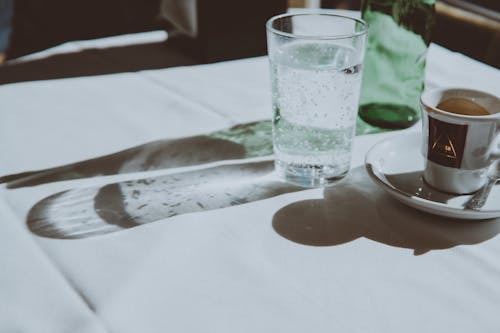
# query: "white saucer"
x,y
396,164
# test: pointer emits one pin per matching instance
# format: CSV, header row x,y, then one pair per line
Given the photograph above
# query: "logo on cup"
x,y
446,143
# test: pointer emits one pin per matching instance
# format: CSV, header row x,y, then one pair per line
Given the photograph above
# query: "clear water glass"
x,y
316,63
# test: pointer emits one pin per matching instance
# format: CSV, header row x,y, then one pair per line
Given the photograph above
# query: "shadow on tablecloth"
x,y
80,213
357,208
86,212
240,141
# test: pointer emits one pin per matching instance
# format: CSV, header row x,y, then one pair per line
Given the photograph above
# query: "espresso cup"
x,y
459,148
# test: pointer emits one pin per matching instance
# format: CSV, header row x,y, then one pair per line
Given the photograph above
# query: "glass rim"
x,y
326,37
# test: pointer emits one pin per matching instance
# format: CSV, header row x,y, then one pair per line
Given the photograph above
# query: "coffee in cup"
x,y
462,106
461,136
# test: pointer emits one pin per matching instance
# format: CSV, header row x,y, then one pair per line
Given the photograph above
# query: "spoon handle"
x,y
479,199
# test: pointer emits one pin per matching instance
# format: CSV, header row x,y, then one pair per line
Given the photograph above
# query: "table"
x,y
277,259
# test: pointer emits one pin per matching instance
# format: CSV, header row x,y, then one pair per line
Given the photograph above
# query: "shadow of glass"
x,y
358,208
86,212
241,141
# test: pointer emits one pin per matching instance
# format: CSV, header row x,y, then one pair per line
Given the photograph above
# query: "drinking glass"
x,y
316,66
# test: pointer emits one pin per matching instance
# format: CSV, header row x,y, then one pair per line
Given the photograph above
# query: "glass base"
x,y
307,175
391,116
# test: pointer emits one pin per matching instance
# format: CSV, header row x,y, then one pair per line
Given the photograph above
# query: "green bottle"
x,y
393,72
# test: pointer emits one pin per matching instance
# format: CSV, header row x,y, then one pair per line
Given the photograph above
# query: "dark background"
x,y
228,29
471,27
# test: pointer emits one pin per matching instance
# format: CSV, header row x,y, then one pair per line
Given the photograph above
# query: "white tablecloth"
x,y
252,267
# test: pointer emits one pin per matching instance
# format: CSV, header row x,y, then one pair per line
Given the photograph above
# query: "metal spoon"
x,y
479,198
